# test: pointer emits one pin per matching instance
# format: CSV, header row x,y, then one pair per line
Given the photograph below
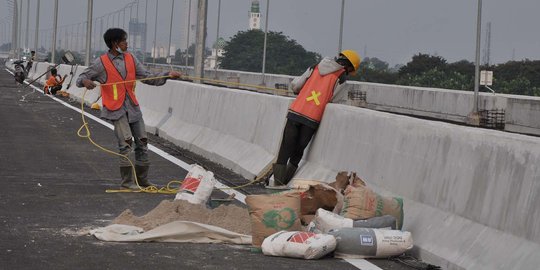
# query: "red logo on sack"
x,y
190,184
301,237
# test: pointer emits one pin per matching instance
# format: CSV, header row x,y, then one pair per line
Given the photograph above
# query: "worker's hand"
x,y
65,76
89,84
175,74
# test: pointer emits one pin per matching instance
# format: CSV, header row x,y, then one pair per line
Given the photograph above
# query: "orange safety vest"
x,y
315,94
113,91
51,81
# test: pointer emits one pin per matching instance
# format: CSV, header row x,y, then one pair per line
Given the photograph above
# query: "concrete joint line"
x,y
163,120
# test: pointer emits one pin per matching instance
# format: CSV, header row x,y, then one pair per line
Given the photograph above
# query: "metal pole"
x,y
88,32
55,25
217,37
155,32
341,27
265,35
130,36
477,58
198,65
26,45
188,30
145,31
36,36
138,27
19,41
14,29
170,35
72,34
124,19
94,32
101,32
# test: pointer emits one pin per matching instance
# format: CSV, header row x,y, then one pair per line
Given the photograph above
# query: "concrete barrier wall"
x,y
472,196
238,129
523,114
155,104
75,92
451,105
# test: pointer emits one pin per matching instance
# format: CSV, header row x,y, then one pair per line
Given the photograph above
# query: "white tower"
x,y
255,16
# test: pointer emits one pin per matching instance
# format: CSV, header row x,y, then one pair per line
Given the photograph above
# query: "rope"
x,y
150,189
168,189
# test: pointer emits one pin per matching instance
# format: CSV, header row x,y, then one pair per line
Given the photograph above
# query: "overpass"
x,y
471,195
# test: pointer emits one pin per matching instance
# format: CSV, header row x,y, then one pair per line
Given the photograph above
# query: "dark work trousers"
x,y
296,137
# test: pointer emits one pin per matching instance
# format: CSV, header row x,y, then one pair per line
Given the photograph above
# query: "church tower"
x,y
255,16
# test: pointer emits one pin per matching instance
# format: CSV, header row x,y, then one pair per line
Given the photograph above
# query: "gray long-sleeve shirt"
x,y
96,72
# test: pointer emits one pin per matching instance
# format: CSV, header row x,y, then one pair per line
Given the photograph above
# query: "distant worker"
x,y
20,72
54,83
315,88
116,70
30,61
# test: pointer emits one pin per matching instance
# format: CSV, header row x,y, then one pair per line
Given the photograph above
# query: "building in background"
x,y
255,16
217,52
137,35
160,51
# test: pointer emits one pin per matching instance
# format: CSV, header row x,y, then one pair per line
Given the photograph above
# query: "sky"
x,y
391,30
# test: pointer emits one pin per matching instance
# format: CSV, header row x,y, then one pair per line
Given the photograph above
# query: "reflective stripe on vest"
x,y
315,94
113,93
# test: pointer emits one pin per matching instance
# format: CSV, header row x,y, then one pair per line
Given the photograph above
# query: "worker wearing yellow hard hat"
x,y
315,89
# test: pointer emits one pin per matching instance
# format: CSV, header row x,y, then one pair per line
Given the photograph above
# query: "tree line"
x,y
285,56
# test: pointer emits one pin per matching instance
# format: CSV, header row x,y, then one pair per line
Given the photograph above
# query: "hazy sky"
x,y
392,30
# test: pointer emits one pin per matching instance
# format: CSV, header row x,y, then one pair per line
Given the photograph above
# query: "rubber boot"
x,y
280,171
126,173
289,174
142,176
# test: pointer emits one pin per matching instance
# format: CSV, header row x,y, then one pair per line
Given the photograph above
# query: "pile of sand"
x,y
229,217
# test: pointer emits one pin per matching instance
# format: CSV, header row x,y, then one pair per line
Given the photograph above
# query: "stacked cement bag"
x,y
304,245
273,213
366,227
313,196
326,221
360,202
370,243
197,185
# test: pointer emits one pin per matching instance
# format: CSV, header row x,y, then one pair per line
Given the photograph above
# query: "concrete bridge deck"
x,y
53,188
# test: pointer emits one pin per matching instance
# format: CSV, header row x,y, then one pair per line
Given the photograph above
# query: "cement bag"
x,y
362,203
273,213
319,196
305,245
370,243
325,221
197,186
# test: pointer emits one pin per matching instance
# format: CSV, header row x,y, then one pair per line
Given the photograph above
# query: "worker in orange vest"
x,y
54,83
315,88
117,71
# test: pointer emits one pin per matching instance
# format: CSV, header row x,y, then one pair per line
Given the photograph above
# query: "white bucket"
x,y
197,186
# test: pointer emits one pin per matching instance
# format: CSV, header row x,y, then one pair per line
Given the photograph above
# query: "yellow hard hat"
x,y
353,57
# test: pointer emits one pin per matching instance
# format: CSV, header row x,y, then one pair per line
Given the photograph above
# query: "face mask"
x,y
119,50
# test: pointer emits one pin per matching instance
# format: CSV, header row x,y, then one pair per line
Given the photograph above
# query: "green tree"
x,y
375,70
437,78
422,63
283,55
180,56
